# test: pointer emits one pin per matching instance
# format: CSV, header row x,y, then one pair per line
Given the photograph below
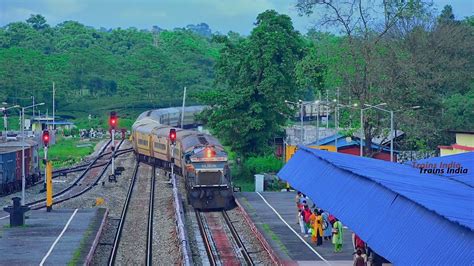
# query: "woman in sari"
x,y
318,228
312,221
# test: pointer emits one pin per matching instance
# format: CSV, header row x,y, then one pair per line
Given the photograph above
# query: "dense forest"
x,y
96,70
415,58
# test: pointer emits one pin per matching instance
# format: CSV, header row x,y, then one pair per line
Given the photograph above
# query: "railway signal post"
x,y
172,137
113,121
48,172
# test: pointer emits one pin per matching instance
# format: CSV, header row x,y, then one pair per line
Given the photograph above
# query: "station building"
x,y
464,143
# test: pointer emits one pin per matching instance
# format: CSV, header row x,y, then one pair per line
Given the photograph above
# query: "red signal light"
x,y
172,135
46,137
113,120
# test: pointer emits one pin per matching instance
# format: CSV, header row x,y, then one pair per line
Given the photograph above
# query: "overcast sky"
x,y
221,15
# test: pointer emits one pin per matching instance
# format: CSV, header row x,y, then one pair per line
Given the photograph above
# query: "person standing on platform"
x,y
337,235
298,206
318,228
327,228
358,243
312,224
301,221
306,215
360,259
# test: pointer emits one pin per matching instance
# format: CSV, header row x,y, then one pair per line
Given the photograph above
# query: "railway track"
x,y
133,236
151,208
221,240
86,181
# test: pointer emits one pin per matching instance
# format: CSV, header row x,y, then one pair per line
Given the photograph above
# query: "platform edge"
x,y
273,255
96,240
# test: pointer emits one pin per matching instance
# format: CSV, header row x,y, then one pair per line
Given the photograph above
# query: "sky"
x,y
220,15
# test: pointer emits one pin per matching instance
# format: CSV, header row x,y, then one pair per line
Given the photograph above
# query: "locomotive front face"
x,y
210,174
210,186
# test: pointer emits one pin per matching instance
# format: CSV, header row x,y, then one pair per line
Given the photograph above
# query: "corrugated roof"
x,y
342,142
465,161
408,217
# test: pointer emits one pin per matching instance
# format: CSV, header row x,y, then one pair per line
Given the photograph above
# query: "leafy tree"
x,y
38,22
447,15
96,70
254,77
405,60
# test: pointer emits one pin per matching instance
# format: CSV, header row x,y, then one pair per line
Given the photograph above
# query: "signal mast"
x,y
113,121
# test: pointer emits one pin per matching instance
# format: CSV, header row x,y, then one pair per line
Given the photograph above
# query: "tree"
x,y
38,22
362,50
255,76
447,15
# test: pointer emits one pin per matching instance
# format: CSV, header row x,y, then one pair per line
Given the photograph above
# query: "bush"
x,y
266,164
243,174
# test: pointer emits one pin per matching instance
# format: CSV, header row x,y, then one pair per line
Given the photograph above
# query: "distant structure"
x,y
40,123
464,143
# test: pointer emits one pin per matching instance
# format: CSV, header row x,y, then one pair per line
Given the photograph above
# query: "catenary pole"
x,y
54,94
182,110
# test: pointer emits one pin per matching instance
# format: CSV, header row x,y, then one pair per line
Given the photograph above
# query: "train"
x,y
198,157
11,165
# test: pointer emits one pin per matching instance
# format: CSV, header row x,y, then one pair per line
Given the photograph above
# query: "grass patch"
x,y
245,202
83,249
274,237
102,122
76,257
69,151
246,184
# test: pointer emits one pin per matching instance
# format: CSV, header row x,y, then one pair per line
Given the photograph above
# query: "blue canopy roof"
x,y
342,142
407,217
464,160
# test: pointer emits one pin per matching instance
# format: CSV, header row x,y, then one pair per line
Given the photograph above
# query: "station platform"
x,y
59,237
274,215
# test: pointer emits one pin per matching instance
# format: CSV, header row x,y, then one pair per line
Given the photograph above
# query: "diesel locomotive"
x,y
198,157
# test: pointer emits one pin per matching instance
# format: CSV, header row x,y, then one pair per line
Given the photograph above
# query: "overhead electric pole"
x,y
182,110
54,92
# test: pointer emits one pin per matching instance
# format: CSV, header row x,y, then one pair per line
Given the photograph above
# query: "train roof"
x,y
18,143
4,150
155,114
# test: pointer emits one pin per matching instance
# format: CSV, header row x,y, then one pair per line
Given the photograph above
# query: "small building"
x,y
464,143
351,145
42,122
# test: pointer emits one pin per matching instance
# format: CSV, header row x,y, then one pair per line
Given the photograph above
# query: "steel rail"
x,y
205,238
118,233
73,185
149,240
82,167
96,181
238,240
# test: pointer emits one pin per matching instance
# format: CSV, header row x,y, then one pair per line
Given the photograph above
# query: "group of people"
x,y
318,223
324,226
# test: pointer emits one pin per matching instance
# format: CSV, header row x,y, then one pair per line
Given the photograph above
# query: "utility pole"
x,y
317,123
327,110
301,121
392,133
182,110
33,109
361,131
54,92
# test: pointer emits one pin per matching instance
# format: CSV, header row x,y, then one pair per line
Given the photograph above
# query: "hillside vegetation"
x,y
418,58
97,70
